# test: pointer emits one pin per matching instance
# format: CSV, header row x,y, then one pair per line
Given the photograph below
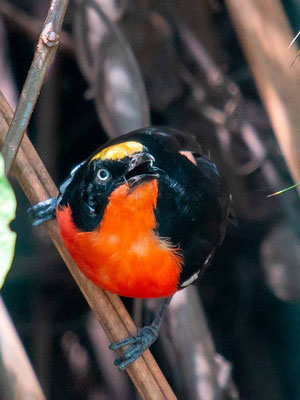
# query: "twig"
x,y
44,54
31,26
108,308
265,35
17,379
294,40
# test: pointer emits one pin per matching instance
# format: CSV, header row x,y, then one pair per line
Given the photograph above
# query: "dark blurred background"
x,y
198,81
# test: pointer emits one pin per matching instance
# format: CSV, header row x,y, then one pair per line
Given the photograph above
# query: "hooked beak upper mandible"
x,y
141,167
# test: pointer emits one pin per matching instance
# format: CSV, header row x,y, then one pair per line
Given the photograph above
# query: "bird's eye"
x,y
103,175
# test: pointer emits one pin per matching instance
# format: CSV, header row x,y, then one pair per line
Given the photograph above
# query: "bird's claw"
x,y
137,345
42,211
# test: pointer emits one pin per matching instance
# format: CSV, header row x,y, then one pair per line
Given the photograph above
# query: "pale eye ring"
x,y
103,174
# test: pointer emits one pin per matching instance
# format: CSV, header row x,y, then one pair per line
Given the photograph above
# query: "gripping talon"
x,y
125,364
125,342
141,341
42,220
118,361
137,345
132,350
43,211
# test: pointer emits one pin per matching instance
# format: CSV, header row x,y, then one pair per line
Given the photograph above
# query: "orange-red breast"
x,y
142,217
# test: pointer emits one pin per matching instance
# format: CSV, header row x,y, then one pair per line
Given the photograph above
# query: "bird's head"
x,y
127,164
124,163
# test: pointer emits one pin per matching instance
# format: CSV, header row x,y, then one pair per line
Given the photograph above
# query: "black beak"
x,y
140,168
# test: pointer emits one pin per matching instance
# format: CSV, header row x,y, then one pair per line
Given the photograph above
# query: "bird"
x,y
142,217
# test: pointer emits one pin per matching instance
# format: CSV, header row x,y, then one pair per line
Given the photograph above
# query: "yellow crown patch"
x,y
119,151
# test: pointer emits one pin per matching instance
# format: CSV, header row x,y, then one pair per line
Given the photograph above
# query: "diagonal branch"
x,y
43,56
110,311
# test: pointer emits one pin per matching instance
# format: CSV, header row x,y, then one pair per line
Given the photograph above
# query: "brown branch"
x,y
265,35
31,26
43,56
17,378
110,312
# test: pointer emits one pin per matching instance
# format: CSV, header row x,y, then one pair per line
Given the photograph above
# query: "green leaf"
x,y
7,214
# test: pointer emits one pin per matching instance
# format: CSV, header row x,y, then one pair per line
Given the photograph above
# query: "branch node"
x,y
49,36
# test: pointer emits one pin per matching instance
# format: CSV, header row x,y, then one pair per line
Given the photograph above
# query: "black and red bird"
x,y
142,217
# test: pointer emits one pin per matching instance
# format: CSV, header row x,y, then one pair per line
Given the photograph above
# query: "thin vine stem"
x,y
43,56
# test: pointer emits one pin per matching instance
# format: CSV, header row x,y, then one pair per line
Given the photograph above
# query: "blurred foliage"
x,y
8,206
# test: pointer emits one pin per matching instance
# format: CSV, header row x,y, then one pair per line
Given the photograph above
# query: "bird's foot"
x,y
137,345
42,211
